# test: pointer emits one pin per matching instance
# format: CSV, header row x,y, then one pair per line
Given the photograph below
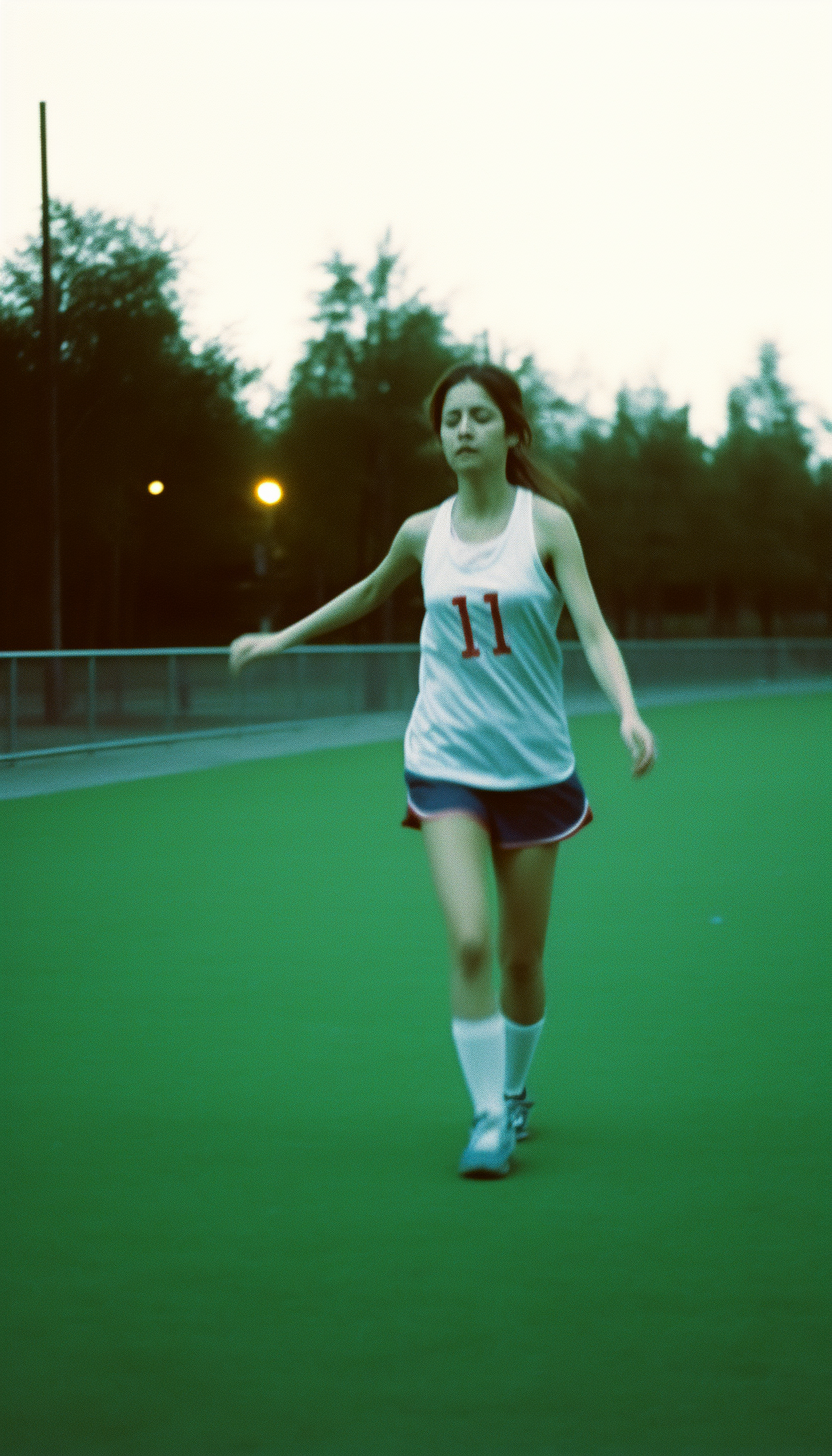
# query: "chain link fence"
x,y
67,702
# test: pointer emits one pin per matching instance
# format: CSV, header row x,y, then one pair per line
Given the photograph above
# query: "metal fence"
x,y
73,701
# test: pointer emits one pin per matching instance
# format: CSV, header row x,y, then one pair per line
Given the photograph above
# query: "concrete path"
x,y
26,778
83,770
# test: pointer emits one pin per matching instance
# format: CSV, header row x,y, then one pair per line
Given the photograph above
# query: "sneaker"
x,y
518,1108
490,1146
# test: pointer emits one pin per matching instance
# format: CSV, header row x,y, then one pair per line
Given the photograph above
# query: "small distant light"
x,y
269,492
155,487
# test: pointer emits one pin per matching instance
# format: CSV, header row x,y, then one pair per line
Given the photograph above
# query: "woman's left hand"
x,y
640,742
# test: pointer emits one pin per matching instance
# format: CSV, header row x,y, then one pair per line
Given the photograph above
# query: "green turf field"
x,y
233,1116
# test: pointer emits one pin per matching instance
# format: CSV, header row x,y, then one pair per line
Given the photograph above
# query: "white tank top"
x,y
490,706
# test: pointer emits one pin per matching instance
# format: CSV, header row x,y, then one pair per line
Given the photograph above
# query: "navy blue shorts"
x,y
513,818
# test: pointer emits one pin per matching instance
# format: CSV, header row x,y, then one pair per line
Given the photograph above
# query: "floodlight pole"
x,y
53,677
50,372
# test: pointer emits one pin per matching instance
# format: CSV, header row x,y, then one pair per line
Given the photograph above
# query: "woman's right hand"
x,y
254,644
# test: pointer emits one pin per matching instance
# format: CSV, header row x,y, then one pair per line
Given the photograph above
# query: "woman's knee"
x,y
472,953
522,966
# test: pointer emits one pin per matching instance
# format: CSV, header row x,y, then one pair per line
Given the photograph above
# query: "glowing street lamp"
x,y
155,487
269,492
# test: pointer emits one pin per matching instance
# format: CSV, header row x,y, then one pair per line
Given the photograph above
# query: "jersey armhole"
x,y
551,582
445,505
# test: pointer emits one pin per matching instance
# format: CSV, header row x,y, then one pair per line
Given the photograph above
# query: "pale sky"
x,y
635,191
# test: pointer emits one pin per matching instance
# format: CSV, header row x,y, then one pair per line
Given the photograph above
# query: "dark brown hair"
x,y
502,387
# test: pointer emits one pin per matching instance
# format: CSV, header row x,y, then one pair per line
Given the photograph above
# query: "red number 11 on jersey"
x,y
471,648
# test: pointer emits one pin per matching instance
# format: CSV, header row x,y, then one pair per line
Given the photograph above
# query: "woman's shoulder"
x,y
547,514
416,530
553,527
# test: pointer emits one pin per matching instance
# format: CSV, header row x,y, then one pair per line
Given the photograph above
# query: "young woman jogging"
x,y
489,766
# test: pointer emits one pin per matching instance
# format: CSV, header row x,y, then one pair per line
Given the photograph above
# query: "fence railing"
x,y
74,701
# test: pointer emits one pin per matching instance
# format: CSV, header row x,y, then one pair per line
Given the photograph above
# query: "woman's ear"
x,y
513,442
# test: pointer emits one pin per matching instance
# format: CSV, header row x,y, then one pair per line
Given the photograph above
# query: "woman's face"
x,y
473,432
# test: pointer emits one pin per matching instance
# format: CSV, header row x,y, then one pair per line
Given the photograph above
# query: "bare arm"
x,y
598,643
402,560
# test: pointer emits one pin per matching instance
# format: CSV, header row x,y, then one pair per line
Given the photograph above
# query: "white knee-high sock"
x,y
520,1047
481,1048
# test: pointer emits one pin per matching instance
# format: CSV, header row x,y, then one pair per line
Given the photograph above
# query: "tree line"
x,y
680,538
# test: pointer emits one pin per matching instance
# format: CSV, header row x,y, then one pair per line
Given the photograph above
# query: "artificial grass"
x,y
233,1117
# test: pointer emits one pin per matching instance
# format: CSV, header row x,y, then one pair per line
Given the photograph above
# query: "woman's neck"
x,y
483,499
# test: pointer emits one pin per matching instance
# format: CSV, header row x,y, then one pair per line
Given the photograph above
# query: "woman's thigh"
x,y
458,848
524,888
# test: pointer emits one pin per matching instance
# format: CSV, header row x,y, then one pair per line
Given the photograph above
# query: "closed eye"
x,y
482,416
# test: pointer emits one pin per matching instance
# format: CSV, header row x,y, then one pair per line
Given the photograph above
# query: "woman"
x,y
489,766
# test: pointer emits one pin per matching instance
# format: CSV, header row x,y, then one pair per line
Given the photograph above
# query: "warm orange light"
x,y
269,492
155,487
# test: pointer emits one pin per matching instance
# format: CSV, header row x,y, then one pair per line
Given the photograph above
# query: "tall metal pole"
x,y
50,370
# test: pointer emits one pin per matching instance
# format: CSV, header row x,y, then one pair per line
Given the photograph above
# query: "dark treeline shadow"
x,y
681,539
